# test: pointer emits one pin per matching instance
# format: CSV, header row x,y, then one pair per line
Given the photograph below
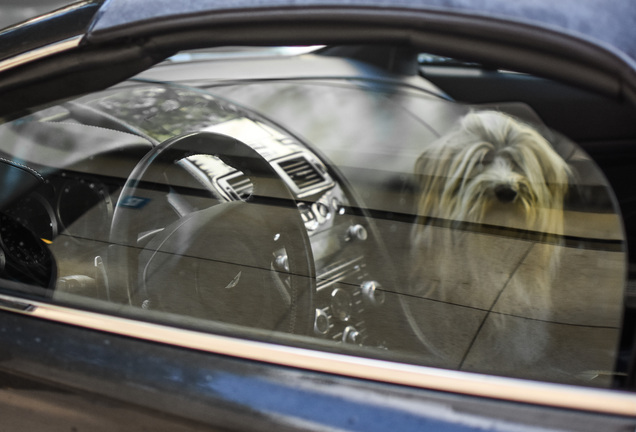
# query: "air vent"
x,y
239,186
303,174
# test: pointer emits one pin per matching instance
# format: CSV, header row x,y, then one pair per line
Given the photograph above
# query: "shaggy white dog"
x,y
493,159
490,199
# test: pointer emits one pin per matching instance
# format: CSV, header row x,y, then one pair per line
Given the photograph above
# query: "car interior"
x,y
281,194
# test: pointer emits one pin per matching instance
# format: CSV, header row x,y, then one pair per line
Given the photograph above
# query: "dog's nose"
x,y
505,193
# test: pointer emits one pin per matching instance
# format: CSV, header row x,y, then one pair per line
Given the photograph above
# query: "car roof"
x,y
611,24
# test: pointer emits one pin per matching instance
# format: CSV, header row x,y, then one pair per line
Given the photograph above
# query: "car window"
x,y
365,214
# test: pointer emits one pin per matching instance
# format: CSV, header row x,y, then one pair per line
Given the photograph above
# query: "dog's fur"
x,y
490,151
491,171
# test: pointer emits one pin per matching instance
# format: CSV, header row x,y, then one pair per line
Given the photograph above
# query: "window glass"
x,y
369,215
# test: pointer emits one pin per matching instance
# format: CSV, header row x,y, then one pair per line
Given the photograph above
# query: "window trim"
x,y
40,53
467,383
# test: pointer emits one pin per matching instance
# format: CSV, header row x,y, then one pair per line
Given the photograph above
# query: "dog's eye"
x,y
516,164
488,158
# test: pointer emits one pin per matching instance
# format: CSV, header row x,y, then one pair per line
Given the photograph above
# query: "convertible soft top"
x,y
612,24
587,43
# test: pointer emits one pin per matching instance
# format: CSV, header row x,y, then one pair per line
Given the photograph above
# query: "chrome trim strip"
x,y
39,53
467,383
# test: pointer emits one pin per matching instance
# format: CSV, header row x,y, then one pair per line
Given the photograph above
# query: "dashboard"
x,y
80,156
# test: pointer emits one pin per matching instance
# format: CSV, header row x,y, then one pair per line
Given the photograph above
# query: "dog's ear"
x,y
557,173
442,169
428,186
439,181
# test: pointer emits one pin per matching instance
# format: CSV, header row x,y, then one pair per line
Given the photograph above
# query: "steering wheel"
x,y
241,262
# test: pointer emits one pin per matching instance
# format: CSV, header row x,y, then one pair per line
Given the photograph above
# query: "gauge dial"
x,y
36,215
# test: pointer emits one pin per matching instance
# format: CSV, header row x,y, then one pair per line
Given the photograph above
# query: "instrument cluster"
x,y
60,214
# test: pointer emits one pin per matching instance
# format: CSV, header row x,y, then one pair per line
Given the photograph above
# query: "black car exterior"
x,y
90,369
